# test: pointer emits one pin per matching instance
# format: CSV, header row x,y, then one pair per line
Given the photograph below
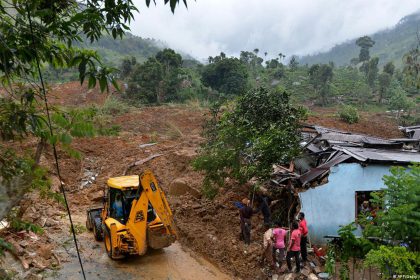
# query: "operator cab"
x,y
122,191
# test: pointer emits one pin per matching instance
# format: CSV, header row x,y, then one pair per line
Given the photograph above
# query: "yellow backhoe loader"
x,y
135,215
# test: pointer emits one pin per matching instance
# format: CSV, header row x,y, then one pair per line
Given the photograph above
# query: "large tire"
x,y
89,224
109,246
97,229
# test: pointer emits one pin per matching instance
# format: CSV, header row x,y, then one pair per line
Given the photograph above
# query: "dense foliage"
x,y
226,75
255,131
390,240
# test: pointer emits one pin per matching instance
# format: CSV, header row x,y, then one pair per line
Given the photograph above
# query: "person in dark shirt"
x,y
264,206
245,214
304,236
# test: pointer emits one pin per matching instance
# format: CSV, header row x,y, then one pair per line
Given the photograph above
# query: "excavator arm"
x,y
158,201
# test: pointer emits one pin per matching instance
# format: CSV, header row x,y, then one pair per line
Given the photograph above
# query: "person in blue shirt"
x,y
117,206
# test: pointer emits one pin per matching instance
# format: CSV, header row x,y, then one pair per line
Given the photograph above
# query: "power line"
x,y
53,144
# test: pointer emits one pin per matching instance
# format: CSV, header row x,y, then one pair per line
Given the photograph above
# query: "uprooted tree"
x,y
247,136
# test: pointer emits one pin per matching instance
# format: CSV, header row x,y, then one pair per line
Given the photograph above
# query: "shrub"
x,y
349,114
392,261
114,106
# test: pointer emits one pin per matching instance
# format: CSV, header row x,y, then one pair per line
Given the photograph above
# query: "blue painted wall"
x,y
328,206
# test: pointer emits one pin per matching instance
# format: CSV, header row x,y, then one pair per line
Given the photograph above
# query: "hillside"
x,y
391,45
113,51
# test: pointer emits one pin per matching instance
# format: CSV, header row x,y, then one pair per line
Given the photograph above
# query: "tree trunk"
x,y
39,149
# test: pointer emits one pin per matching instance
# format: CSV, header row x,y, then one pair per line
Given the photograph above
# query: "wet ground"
x,y
170,263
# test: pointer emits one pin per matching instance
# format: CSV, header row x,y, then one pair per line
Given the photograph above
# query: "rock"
x,y
306,272
45,251
324,275
289,276
96,196
312,277
275,277
180,186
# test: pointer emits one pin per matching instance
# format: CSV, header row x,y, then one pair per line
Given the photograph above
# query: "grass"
x,y
173,131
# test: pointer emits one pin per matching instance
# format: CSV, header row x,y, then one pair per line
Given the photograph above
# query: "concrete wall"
x,y
328,206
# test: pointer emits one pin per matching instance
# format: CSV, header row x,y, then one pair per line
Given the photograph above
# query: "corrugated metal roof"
x,y
320,169
355,138
365,154
412,132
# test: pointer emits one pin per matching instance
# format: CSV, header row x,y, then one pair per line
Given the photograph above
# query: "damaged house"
x,y
338,172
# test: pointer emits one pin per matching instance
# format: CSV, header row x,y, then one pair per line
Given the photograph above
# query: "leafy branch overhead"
x,y
38,34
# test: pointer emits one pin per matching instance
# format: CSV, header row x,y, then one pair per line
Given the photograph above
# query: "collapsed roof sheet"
x,y
380,155
320,169
355,138
412,132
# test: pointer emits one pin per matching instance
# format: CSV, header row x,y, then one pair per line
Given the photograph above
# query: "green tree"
x,y
157,80
411,69
127,66
145,80
389,68
399,100
169,59
320,76
259,129
226,75
370,68
384,80
293,63
365,43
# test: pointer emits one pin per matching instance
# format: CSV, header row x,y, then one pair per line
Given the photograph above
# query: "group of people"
x,y
275,243
296,247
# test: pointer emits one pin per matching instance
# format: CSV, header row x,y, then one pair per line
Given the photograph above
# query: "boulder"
x,y
312,277
180,186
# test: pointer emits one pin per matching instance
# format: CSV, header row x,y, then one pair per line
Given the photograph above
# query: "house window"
x,y
363,204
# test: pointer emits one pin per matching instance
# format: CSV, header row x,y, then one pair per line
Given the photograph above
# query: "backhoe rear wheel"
x,y
109,246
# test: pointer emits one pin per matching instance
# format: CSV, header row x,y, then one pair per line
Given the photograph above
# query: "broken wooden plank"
x,y
142,161
147,145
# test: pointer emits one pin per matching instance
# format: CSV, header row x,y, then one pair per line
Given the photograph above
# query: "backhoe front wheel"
x,y
109,246
97,229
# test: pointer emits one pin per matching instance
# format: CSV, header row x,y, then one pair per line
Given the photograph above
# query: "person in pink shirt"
x,y
293,249
279,237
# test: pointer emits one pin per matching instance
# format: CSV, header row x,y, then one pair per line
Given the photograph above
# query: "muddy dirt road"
x,y
174,262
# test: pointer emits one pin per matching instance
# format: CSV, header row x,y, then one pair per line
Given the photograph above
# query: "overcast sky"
x,y
299,27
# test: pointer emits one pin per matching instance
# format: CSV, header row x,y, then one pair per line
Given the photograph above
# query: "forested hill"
x,y
113,51
390,45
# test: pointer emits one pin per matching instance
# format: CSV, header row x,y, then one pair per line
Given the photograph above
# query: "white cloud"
x,y
291,27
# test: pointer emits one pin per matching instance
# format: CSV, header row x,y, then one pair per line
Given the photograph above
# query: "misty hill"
x,y
391,45
113,51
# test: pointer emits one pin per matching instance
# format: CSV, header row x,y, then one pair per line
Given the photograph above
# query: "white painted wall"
x,y
328,206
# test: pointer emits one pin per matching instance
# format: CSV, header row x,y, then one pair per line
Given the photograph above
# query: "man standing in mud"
x,y
264,206
245,214
304,237
293,249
